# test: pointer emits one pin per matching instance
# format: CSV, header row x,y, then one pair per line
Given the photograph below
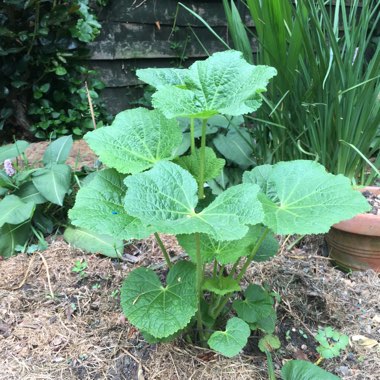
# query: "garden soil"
x,y
57,324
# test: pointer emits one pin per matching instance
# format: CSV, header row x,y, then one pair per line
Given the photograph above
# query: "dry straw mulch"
x,y
80,333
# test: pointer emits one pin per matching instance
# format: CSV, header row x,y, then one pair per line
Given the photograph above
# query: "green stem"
x,y
271,374
199,287
192,136
202,157
163,249
215,269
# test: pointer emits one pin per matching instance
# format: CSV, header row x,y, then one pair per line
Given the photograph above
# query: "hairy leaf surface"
x,y
157,309
166,197
302,198
162,77
222,84
136,140
231,341
99,207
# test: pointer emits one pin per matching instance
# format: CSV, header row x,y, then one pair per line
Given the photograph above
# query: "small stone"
x,y
304,347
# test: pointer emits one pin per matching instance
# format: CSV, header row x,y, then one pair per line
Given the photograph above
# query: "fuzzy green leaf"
x,y
304,370
230,342
13,235
302,198
53,182
99,208
157,309
58,150
161,77
228,252
14,211
166,197
257,304
136,140
191,163
269,343
222,84
221,286
94,242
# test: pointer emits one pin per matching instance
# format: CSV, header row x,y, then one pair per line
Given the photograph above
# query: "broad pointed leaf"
x,y
161,77
221,286
12,150
304,370
257,304
58,151
222,84
11,236
302,198
157,309
99,208
213,165
29,193
53,182
230,342
136,140
228,252
14,211
166,197
94,242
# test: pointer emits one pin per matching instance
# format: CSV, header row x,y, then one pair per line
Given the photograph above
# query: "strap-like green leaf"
x,y
99,207
230,342
302,198
256,305
157,309
166,197
136,140
14,211
222,84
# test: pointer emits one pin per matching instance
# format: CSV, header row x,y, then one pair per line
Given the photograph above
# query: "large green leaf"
x,y
213,165
157,309
302,198
99,208
162,77
232,341
29,193
94,242
11,236
136,140
257,304
222,84
303,370
166,197
58,151
228,252
12,150
14,211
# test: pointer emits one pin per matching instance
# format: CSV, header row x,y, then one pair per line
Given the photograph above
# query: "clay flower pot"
x,y
354,244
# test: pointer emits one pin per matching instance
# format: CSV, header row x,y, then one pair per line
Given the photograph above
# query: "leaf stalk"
x,y
202,164
163,249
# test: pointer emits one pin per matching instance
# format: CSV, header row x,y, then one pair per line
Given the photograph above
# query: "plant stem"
x,y
163,249
271,374
199,287
202,157
192,136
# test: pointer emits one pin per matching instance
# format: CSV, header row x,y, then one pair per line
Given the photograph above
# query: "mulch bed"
x,y
80,333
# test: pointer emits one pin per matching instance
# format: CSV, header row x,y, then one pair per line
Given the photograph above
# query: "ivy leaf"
x,y
157,309
53,182
222,84
304,370
221,286
162,77
136,140
11,236
269,343
94,242
170,194
230,342
228,252
12,150
58,151
191,163
304,204
257,304
14,211
99,208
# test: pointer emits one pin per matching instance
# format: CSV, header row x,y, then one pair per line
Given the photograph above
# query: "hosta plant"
x,y
147,189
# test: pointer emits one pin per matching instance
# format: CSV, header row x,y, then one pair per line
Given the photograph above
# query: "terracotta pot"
x,y
354,244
